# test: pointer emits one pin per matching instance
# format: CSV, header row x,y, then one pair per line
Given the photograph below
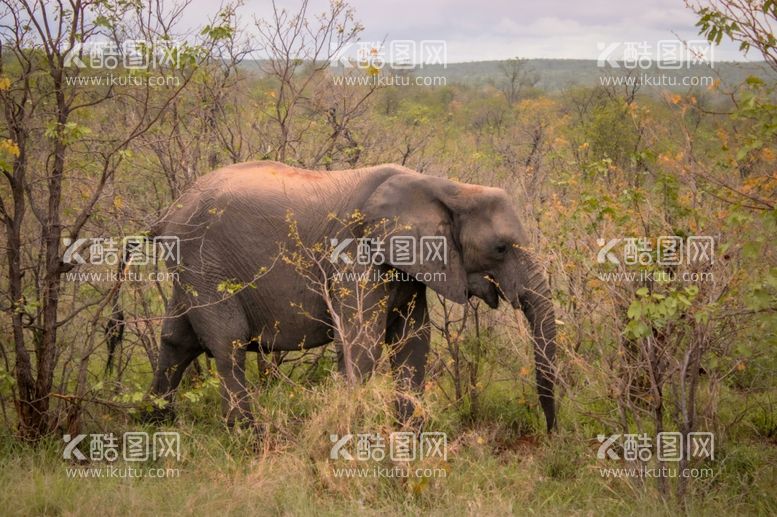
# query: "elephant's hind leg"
x,y
178,349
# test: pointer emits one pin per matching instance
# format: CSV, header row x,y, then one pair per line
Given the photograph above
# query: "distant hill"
x,y
558,74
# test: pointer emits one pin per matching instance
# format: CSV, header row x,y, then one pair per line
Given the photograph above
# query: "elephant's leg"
x,y
223,330
235,400
408,335
358,356
178,349
362,317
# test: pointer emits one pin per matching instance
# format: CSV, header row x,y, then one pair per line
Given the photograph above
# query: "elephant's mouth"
x,y
485,287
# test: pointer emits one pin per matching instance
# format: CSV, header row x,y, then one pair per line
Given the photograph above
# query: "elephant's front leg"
x,y
360,348
408,335
359,317
223,329
235,401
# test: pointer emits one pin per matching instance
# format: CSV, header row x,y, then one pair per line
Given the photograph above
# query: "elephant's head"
x,y
486,255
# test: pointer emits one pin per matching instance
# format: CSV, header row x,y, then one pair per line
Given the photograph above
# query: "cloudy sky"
x,y
477,30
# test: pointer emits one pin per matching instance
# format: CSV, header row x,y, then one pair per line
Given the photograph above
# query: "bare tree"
x,y
202,133
355,293
517,77
297,49
65,159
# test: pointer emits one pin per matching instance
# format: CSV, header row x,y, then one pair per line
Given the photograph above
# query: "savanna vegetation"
x,y
689,347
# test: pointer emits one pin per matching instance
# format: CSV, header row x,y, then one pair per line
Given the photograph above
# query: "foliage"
x,y
685,347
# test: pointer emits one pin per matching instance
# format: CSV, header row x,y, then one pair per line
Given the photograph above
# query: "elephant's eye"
x,y
501,248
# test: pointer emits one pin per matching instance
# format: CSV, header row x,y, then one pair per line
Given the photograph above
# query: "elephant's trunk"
x,y
535,300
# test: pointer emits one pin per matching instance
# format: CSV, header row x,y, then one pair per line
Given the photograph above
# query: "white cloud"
x,y
499,29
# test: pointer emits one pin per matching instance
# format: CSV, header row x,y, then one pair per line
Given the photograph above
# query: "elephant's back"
x,y
250,207
257,180
259,177
246,191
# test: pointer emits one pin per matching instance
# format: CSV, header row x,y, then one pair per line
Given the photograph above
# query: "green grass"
x,y
497,464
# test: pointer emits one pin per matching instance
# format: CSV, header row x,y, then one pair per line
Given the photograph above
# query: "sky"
x,y
478,30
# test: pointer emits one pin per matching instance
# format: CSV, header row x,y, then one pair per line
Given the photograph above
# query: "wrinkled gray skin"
x,y
232,221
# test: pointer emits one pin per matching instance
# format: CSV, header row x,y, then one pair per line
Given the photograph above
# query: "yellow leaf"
x,y
10,147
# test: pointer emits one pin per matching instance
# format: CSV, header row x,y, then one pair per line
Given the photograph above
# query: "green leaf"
x,y
635,310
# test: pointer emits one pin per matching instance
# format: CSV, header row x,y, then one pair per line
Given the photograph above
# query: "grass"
x,y
497,464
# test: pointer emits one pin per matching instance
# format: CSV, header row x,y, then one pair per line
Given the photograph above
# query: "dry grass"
x,y
490,470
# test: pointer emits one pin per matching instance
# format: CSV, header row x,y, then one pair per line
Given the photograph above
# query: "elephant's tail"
x,y
114,328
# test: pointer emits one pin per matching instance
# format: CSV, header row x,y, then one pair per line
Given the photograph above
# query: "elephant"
x,y
235,293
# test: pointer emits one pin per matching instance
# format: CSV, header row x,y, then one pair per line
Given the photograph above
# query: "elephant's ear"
x,y
410,212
